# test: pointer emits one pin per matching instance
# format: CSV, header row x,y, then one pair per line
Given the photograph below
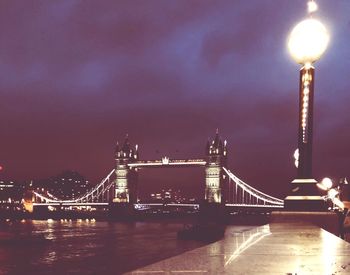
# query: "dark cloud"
x,y
76,76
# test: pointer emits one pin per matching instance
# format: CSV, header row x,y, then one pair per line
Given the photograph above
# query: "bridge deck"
x,y
296,248
166,162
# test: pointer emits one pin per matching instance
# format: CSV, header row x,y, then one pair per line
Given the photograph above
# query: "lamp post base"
x,y
304,203
304,197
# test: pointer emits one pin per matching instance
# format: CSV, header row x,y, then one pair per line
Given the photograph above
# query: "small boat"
x,y
202,232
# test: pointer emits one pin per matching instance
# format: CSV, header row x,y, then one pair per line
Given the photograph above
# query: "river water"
x,y
88,247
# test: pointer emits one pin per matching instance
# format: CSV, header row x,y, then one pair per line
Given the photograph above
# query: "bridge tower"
x,y
216,154
126,177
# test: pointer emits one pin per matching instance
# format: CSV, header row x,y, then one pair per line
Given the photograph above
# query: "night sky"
x,y
77,76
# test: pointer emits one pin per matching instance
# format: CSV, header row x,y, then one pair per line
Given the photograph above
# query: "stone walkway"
x,y
296,248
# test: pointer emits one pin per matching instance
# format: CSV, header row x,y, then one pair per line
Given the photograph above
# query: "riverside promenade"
x,y
276,248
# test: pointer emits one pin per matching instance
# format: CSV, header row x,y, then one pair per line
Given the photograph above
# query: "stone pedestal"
x,y
304,196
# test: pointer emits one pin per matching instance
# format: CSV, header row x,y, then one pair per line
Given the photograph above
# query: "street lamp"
x,y
333,194
325,184
306,43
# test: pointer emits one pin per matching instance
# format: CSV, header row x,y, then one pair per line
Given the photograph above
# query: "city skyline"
x,y
77,77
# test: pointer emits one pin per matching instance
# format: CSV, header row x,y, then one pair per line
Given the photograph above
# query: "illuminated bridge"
x,y
120,185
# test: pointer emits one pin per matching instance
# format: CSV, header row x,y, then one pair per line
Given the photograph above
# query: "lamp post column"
x,y
307,42
306,96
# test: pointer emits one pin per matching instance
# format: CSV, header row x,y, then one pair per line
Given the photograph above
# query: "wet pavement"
x,y
278,248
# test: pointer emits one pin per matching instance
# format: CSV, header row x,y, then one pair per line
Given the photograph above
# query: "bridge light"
x,y
165,160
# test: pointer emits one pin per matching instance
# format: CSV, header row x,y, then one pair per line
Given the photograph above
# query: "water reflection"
x,y
50,258
89,247
247,239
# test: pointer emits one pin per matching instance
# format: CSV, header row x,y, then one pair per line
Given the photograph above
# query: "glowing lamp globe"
x,y
327,182
308,41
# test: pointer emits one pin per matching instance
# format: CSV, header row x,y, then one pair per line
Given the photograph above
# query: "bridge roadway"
x,y
144,206
167,162
276,248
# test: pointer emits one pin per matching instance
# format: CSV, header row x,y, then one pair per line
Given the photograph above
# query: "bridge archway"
x,y
128,164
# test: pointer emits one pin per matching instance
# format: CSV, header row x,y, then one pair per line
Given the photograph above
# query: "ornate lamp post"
x,y
307,42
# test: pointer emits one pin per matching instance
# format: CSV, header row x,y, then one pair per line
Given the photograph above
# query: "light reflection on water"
x,y
89,247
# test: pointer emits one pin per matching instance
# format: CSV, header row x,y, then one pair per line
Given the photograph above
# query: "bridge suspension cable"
x,y
252,191
91,196
98,190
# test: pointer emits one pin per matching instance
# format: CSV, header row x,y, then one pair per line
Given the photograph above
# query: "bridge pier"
x,y
125,193
212,209
216,153
126,177
121,211
212,213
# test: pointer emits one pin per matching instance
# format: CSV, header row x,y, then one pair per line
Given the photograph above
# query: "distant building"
x,y
67,185
11,192
167,196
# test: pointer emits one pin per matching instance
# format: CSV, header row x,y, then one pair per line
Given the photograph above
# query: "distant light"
x,y
308,41
332,193
339,203
1,167
312,6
